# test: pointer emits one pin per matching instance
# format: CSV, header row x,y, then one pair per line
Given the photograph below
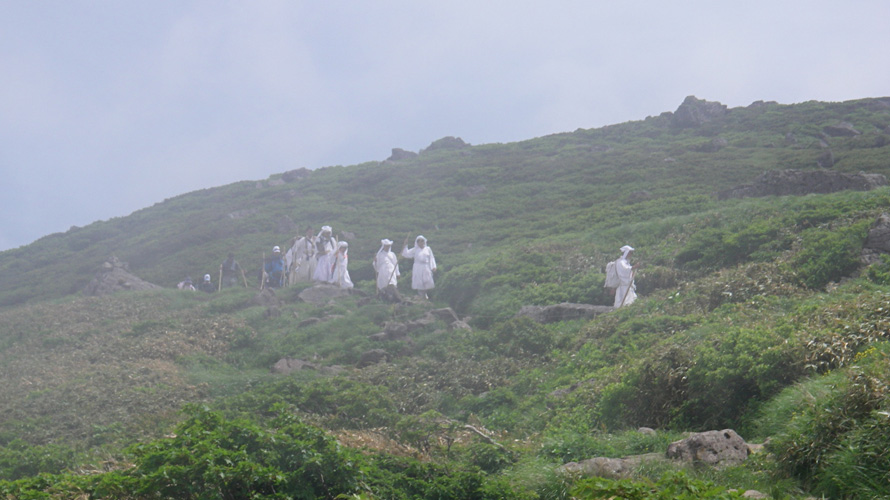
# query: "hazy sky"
x,y
107,107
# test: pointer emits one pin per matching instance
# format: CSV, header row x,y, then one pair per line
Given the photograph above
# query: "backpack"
x,y
612,279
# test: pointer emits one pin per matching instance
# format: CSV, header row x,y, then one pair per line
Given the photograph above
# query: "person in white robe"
x,y
386,264
626,293
301,259
340,276
325,248
424,265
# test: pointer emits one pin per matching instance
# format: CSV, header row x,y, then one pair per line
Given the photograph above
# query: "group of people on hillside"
x,y
322,258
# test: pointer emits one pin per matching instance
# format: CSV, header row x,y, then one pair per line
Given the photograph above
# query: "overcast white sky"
x,y
107,107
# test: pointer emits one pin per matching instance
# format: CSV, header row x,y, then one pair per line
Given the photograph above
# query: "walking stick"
x,y
242,276
632,272
263,276
219,285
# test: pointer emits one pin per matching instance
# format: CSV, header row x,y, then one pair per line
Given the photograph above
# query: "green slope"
x,y
741,300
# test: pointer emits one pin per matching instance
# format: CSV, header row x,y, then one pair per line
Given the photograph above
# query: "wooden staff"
x,y
219,285
263,276
632,272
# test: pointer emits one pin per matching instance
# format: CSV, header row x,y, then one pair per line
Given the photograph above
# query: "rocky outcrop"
x,y
610,468
399,154
562,312
399,331
801,182
841,129
695,112
372,357
296,175
450,143
878,240
714,448
724,447
115,277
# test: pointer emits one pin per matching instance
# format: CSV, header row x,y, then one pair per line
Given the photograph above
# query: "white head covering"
x,y
326,228
206,277
626,249
276,248
419,237
343,244
383,244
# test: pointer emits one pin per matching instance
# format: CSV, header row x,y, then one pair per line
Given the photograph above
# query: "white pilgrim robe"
x,y
325,260
340,276
387,266
424,264
626,291
301,260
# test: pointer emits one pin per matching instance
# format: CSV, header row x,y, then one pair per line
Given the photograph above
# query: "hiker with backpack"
x,y
620,278
274,269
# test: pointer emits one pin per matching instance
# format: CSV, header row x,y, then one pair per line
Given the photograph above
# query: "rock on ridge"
x,y
801,182
695,112
114,277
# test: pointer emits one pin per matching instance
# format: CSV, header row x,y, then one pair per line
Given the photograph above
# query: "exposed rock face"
x,y
562,312
878,240
399,331
115,277
842,129
800,182
611,468
286,366
447,143
372,357
724,447
295,175
696,112
399,154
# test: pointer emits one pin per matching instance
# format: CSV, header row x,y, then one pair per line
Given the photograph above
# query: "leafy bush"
x,y
672,486
829,254
837,441
211,457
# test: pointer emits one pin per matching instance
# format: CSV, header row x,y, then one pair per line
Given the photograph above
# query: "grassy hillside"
x,y
755,314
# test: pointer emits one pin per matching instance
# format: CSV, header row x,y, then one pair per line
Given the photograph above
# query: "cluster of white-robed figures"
x,y
321,258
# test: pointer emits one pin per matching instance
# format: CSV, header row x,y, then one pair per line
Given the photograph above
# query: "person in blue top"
x,y
274,268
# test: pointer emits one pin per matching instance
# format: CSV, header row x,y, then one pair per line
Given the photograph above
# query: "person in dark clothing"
x,y
274,267
207,285
230,269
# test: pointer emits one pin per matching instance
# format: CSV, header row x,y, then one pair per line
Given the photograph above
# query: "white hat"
x,y
626,249
343,244
276,249
385,242
206,277
420,237
326,229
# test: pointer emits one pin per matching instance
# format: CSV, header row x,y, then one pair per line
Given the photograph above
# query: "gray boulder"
x,y
842,129
115,276
801,182
372,357
695,112
610,468
878,240
562,312
286,366
724,447
399,154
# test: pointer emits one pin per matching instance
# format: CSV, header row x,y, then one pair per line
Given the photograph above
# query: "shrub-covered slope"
x,y
746,305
